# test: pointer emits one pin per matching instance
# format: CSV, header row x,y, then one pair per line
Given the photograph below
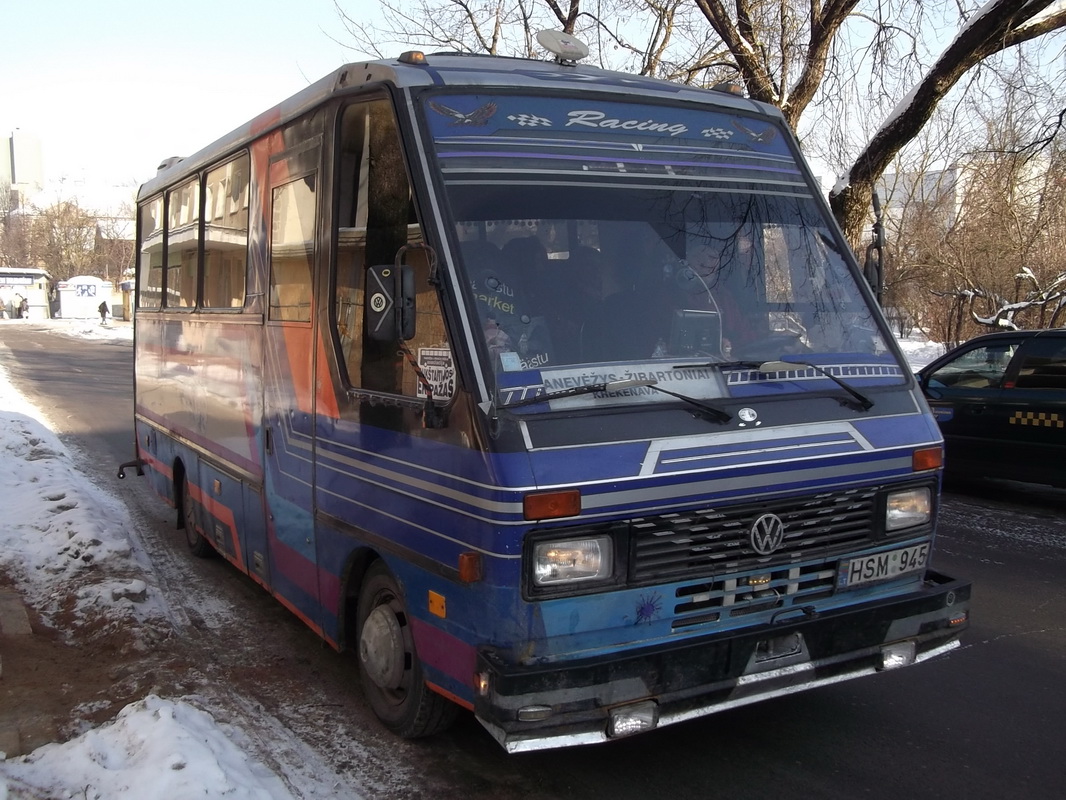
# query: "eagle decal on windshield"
x,y
479,116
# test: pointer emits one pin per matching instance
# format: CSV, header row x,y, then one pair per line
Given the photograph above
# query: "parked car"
x,y
1000,400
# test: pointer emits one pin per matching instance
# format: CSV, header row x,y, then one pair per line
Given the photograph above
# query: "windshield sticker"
x,y
438,366
698,381
479,116
517,386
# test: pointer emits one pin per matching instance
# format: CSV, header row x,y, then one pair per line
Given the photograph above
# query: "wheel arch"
x,y
179,472
359,562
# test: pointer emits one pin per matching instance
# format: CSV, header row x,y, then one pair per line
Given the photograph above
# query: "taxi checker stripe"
x,y
1037,418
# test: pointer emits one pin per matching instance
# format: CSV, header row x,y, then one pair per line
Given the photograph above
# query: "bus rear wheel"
x,y
189,520
389,669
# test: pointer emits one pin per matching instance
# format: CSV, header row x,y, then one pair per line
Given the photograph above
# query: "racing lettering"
x,y
597,119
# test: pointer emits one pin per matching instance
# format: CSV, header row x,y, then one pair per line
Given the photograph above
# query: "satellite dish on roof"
x,y
563,46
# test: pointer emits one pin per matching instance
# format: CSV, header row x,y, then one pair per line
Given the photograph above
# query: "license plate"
x,y
883,566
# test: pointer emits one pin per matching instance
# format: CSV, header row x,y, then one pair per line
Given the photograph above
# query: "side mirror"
x,y
923,384
390,306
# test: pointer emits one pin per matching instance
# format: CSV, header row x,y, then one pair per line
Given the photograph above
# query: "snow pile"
x,y
62,536
155,748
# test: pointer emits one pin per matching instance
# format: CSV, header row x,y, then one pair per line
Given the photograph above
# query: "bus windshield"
x,y
607,240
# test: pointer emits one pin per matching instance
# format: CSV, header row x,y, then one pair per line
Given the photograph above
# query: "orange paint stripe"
x,y
223,514
306,620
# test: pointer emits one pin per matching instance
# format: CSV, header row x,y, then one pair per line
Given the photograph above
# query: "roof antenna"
x,y
567,49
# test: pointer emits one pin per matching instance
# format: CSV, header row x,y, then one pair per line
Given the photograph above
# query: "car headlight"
x,y
908,508
569,561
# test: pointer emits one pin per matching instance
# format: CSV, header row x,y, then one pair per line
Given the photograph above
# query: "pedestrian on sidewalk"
x,y
103,312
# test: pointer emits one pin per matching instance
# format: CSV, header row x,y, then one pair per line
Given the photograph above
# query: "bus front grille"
x,y
717,541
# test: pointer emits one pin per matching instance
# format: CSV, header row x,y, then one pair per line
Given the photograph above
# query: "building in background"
x,y
936,192
25,293
21,166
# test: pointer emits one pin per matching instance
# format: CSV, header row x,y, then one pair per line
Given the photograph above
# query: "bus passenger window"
x,y
150,235
183,232
292,248
226,235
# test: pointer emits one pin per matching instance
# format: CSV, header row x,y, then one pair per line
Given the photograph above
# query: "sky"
x,y
125,758
111,89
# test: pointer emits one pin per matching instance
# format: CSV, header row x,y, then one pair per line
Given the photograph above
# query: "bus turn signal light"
x,y
550,505
469,567
929,458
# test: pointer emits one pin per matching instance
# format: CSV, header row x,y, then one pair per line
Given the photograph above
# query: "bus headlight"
x,y
908,508
570,561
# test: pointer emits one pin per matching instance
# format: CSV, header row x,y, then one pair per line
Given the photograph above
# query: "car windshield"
x,y
605,241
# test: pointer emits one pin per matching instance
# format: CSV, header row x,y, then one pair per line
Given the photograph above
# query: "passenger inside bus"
x,y
506,286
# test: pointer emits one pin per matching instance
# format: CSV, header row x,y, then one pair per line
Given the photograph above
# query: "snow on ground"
x,y
55,522
919,351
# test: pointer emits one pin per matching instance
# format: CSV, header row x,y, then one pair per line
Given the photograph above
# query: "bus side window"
x,y
376,219
226,235
183,235
150,273
292,249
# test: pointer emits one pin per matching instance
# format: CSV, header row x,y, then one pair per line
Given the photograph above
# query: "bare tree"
x,y
14,248
997,26
791,54
62,240
987,248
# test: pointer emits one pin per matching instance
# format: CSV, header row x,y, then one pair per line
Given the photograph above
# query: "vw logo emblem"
x,y
767,534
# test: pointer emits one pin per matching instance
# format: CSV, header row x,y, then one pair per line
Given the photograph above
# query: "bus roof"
x,y
444,70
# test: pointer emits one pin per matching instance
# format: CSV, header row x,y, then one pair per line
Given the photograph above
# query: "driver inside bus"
x,y
715,280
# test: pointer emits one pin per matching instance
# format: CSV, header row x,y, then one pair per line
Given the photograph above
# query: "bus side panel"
x,y
288,419
198,397
421,504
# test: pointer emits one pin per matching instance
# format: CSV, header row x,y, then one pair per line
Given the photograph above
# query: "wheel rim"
x,y
381,648
386,649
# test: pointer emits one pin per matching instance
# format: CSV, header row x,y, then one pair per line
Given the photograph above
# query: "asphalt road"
x,y
985,721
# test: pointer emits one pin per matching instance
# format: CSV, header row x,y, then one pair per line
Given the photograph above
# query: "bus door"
x,y
288,369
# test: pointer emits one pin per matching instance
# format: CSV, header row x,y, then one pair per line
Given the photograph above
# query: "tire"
x,y
189,520
389,669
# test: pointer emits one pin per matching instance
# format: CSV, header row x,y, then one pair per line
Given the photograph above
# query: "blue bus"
x,y
553,393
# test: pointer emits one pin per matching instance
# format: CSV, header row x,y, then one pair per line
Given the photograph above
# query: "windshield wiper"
x,y
706,410
861,401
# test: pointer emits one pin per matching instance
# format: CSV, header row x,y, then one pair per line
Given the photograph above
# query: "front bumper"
x,y
578,702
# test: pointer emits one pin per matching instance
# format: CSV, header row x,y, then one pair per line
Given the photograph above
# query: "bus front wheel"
x,y
389,669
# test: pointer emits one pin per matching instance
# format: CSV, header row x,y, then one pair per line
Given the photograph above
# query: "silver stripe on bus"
x,y
761,441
